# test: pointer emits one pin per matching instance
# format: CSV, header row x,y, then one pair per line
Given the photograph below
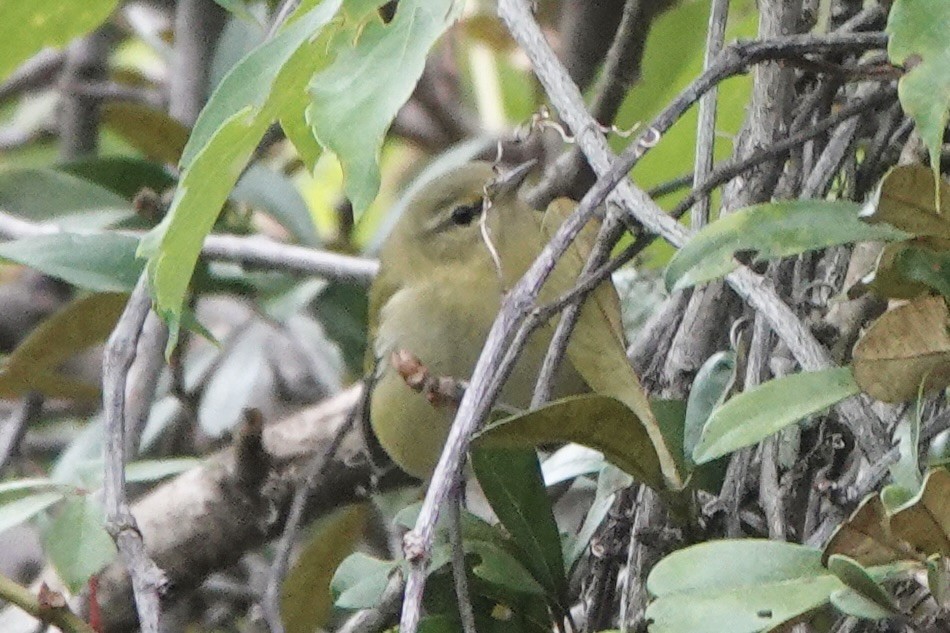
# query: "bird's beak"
x,y
509,181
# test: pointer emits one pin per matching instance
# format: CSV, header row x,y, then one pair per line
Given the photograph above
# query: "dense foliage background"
x,y
192,193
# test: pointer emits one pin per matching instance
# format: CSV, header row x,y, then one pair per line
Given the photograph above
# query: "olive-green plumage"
x,y
437,295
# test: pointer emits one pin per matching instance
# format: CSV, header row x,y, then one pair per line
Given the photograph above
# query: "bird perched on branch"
x,y
464,241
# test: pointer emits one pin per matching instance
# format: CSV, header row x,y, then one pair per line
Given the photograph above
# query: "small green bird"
x,y
442,277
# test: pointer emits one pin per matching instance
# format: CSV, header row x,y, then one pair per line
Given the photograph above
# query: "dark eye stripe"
x,y
463,214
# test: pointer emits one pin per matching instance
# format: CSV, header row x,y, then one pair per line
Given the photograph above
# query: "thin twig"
x,y
250,251
459,574
59,616
31,406
706,124
148,581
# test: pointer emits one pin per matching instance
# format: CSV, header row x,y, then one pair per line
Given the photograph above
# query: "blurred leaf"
x,y
938,579
569,462
890,278
236,380
150,131
276,194
500,568
41,195
753,415
357,97
611,481
907,347
122,175
306,602
342,310
103,262
239,8
16,512
905,200
926,266
79,325
918,42
28,27
773,230
595,421
864,597
511,480
906,471
76,541
360,580
155,469
235,118
710,388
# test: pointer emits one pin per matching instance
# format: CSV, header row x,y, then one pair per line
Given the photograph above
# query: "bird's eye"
x,y
463,214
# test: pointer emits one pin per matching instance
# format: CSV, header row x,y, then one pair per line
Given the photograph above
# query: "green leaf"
x,y
40,195
152,132
599,422
18,511
511,480
306,602
103,262
276,194
773,230
79,325
498,567
918,41
710,387
611,481
864,596
360,580
356,99
76,541
906,471
122,175
28,27
755,414
248,99
236,380
155,469
926,266
737,586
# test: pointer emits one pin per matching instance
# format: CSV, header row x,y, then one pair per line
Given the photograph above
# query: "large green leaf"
x,y
360,580
249,98
356,99
19,510
753,415
103,262
39,195
32,366
512,482
599,422
742,586
306,602
276,194
28,26
122,175
776,229
76,541
918,41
